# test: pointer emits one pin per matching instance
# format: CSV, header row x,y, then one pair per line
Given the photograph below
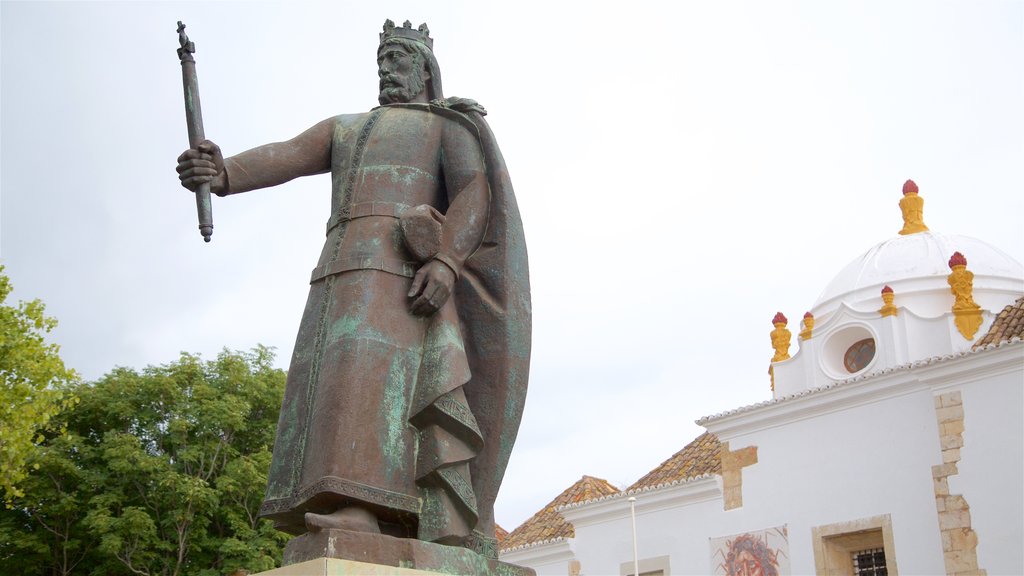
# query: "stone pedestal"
x,y
336,567
377,554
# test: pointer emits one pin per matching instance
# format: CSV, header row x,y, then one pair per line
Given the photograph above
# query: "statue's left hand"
x,y
431,287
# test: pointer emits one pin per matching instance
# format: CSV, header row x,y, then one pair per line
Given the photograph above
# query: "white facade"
x,y
857,449
918,452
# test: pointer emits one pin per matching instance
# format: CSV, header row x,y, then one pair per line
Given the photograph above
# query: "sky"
x,y
684,171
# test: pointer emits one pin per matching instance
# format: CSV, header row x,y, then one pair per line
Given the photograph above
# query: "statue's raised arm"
x,y
262,167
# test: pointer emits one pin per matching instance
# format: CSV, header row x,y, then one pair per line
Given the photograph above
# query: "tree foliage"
x,y
160,473
33,382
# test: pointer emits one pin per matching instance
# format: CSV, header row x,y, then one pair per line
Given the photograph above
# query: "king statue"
x,y
409,373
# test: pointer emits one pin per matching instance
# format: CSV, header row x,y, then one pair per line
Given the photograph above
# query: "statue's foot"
x,y
347,518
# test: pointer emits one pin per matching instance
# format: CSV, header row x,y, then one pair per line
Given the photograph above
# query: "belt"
x,y
397,267
364,209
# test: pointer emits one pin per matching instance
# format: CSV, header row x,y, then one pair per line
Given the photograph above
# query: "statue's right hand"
x,y
204,163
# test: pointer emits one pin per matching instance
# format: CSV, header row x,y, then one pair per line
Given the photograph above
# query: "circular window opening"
x,y
859,355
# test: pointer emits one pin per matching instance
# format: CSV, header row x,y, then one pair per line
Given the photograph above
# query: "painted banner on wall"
x,y
757,553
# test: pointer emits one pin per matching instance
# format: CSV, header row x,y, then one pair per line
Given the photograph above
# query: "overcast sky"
x,y
684,171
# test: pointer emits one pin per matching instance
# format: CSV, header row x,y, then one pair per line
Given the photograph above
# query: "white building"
x,y
894,441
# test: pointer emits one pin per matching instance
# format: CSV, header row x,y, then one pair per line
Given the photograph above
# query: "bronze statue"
x,y
410,367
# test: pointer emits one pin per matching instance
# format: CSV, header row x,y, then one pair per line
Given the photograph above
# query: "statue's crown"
x,y
421,34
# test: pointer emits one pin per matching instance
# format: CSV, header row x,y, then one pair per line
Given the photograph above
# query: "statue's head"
x,y
406,65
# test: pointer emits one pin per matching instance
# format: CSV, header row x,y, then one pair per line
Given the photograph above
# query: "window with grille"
x,y
869,562
862,547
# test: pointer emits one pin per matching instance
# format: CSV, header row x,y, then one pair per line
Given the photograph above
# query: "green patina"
x,y
354,326
395,407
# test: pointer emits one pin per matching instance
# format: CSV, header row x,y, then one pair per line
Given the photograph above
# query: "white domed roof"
x,y
916,266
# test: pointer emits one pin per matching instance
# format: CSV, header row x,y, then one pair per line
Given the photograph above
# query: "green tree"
x,y
33,382
161,472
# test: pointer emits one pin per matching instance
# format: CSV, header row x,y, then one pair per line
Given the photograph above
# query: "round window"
x,y
859,355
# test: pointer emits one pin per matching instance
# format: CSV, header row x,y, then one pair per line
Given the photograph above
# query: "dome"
x,y
916,266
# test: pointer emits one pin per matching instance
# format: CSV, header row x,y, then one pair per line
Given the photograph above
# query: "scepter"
x,y
194,120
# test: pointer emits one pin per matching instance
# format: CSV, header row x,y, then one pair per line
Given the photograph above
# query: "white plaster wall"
x,y
860,450
546,559
843,466
545,569
679,532
863,461
991,469
602,547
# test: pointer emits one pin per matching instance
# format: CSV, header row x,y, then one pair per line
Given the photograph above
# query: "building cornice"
x,y
935,372
543,552
670,495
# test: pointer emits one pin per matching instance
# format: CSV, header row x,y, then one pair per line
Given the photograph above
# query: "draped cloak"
x,y
415,423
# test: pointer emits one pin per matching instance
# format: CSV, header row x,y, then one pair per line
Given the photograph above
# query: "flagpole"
x,y
636,558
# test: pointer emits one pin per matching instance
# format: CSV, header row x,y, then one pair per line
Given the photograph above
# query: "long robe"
x,y
413,417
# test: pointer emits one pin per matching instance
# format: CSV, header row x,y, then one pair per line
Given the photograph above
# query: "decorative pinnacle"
x,y
966,312
912,206
888,297
421,34
808,326
780,340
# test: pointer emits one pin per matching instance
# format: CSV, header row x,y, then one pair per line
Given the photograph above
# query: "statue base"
x,y
336,567
386,555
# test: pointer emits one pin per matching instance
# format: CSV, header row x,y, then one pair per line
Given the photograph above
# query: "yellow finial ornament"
x,y
808,326
966,313
888,308
780,338
780,341
912,206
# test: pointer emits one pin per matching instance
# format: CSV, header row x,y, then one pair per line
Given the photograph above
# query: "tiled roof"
x,y
695,459
548,524
500,533
1008,323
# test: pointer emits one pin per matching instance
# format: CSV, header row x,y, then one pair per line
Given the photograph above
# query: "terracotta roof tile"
x,y
500,533
1008,323
547,524
695,459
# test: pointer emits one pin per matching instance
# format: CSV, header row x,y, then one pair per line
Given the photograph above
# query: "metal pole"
x,y
194,119
636,558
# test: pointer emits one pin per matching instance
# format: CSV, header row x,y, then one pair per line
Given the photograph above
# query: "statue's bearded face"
x,y
402,75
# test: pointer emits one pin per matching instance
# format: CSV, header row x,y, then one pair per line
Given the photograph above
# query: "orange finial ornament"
x,y
888,308
808,326
966,313
912,207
